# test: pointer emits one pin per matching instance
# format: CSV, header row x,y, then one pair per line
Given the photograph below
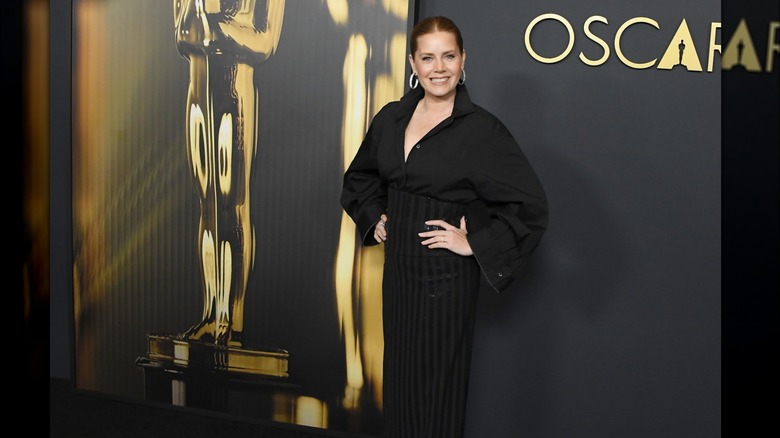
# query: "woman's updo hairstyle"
x,y
431,25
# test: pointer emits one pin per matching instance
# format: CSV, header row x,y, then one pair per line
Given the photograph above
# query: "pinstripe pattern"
x,y
429,306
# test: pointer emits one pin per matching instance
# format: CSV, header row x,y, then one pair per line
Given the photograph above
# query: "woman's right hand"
x,y
380,230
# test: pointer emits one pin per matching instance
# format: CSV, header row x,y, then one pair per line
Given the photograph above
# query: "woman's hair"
x,y
431,25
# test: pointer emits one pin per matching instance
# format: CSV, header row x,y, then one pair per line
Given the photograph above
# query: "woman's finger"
x,y
439,223
380,229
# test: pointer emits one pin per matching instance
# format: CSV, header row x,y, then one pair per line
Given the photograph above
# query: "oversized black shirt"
x,y
470,158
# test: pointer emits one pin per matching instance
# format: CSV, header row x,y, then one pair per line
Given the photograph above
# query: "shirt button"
x,y
500,274
418,146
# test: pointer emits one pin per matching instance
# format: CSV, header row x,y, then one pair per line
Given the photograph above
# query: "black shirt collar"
x,y
408,102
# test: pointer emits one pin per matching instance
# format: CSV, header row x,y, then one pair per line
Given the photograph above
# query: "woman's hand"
x,y
449,237
380,230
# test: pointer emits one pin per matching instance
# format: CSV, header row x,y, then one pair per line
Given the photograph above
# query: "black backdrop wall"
x,y
616,329
751,254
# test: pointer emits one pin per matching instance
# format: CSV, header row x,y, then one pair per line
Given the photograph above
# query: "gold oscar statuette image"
x,y
223,42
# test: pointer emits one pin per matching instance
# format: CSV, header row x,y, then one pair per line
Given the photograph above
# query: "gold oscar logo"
x,y
681,53
223,43
741,52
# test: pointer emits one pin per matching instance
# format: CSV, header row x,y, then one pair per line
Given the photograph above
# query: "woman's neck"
x,y
434,105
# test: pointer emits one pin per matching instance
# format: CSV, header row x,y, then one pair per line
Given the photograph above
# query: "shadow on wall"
x,y
583,252
575,270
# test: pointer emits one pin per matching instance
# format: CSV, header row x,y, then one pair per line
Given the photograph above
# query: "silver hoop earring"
x,y
462,76
416,82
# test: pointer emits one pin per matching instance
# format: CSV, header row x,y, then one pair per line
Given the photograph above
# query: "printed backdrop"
x,y
208,151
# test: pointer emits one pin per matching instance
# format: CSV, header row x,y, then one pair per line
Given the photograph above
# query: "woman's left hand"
x,y
448,237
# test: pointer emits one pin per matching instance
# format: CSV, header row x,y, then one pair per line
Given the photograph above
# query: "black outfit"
x,y
468,165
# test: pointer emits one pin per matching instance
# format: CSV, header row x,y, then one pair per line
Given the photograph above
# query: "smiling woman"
x,y
444,186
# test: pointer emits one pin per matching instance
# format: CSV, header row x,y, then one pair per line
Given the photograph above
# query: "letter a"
x,y
681,52
740,52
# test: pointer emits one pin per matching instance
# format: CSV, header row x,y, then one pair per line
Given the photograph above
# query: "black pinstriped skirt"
x,y
429,299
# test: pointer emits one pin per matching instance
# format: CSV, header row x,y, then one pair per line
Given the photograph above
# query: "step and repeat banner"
x,y
213,267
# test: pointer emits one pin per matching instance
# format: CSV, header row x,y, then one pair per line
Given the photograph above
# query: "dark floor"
x,y
82,414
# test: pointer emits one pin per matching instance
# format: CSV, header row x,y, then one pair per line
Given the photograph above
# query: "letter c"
x,y
619,34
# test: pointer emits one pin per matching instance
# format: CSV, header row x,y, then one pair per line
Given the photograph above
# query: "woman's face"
x,y
438,63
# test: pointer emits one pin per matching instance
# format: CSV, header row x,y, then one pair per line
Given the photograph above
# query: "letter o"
x,y
536,21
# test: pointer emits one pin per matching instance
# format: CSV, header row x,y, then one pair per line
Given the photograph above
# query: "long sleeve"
x,y
364,193
510,216
470,158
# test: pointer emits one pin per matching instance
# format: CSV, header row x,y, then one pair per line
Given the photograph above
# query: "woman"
x,y
444,185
